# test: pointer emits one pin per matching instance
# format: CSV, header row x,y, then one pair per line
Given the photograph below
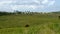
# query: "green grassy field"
x,y
38,24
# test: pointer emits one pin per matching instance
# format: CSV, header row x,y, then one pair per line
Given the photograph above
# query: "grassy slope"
x,y
39,24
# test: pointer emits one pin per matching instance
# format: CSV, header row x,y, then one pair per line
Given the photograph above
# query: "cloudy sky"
x,y
30,5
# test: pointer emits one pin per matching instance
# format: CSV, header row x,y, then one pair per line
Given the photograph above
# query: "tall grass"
x,y
38,24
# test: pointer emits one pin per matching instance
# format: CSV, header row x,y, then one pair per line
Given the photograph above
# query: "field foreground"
x,y
38,24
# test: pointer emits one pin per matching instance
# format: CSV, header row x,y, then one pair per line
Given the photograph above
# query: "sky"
x,y
30,5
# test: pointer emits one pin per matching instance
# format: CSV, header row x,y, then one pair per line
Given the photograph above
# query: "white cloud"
x,y
36,1
48,3
26,4
5,2
44,1
51,3
26,7
23,7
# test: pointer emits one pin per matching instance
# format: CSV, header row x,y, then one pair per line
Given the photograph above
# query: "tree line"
x,y
17,13
25,13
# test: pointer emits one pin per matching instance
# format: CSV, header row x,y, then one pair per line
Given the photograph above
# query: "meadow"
x,y
38,24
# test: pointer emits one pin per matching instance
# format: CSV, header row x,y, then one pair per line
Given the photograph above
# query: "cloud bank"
x,y
25,4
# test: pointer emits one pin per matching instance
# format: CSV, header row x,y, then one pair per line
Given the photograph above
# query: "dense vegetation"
x,y
39,23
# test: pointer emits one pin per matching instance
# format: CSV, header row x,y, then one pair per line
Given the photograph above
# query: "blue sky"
x,y
30,5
